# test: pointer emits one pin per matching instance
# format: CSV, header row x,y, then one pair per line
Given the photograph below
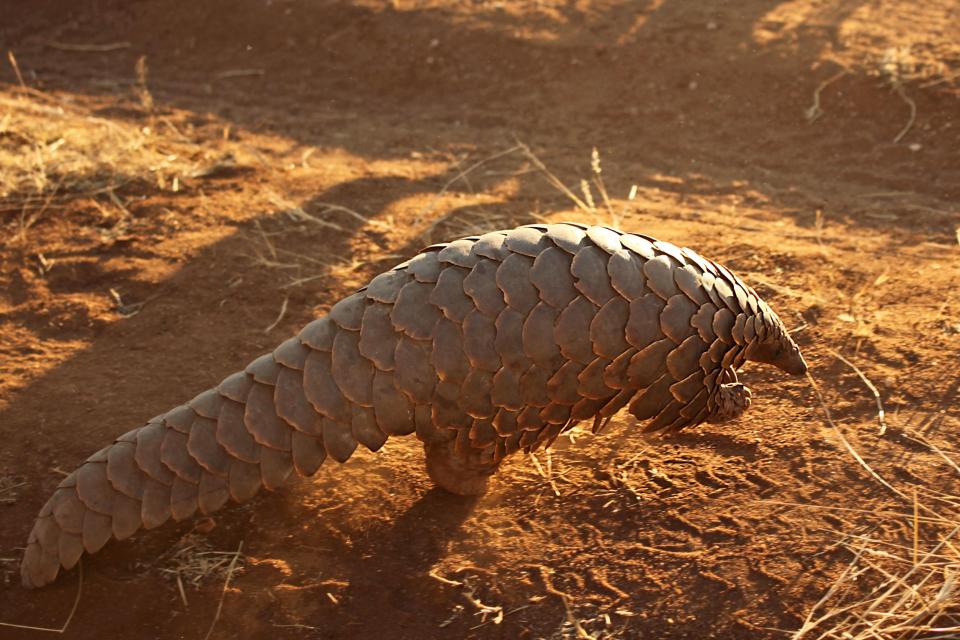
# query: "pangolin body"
x,y
482,347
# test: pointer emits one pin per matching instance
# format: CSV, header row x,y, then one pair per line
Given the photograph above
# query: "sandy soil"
x,y
276,155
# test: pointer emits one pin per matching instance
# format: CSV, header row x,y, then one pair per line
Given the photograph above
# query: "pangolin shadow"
x,y
389,566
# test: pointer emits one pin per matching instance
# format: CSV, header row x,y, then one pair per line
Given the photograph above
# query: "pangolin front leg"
x,y
482,347
464,475
732,399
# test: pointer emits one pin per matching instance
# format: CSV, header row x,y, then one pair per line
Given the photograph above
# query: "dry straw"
x,y
892,590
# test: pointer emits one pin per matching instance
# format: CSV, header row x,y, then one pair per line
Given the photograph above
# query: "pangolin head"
x,y
772,344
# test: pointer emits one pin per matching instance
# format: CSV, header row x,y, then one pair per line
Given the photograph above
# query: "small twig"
x,y
13,486
462,175
482,608
283,312
336,207
949,78
668,552
89,48
916,527
240,73
183,594
601,187
16,69
73,609
223,594
506,613
295,626
919,439
545,475
818,225
814,111
301,281
552,179
809,623
143,93
846,443
124,309
436,576
295,212
913,112
800,327
870,385
566,600
113,197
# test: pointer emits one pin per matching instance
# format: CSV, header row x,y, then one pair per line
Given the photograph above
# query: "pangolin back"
x,y
482,347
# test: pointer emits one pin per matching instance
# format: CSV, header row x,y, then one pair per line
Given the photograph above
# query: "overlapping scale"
x,y
490,344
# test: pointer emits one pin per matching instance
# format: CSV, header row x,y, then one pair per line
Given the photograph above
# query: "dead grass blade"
x,y
903,590
336,208
913,113
870,385
850,572
905,603
62,153
223,594
601,187
192,561
16,69
73,609
897,66
240,73
141,90
461,175
298,213
846,443
89,48
283,312
920,439
546,474
813,112
554,180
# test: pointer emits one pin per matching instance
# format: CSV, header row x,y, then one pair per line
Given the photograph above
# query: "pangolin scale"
x,y
482,347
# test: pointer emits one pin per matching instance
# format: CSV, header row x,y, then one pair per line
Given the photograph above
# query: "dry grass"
x,y
270,240
890,590
192,561
53,150
8,488
66,623
291,224
910,64
611,213
235,556
906,587
462,175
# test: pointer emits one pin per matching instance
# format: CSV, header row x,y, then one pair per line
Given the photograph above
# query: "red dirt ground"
x,y
260,108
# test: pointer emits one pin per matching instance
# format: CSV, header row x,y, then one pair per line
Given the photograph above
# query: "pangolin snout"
x,y
793,363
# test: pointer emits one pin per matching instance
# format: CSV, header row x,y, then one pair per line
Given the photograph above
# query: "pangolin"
x,y
482,347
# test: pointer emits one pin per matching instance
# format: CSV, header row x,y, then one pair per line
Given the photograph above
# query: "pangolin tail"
x,y
253,430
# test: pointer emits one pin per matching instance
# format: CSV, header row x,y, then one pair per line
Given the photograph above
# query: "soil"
x,y
307,146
